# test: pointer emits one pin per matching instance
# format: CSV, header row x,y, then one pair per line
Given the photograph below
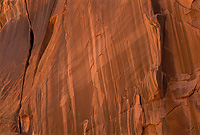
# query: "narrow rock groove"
x,y
31,42
26,6
26,67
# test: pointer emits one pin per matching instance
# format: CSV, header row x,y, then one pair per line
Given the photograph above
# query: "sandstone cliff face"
x,y
100,67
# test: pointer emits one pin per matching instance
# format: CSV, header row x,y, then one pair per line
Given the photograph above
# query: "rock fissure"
x,y
190,93
172,109
157,21
144,118
107,67
156,6
24,75
31,42
29,20
192,26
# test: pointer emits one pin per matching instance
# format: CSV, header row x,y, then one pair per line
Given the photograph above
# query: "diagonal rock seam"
x,y
192,92
173,109
31,41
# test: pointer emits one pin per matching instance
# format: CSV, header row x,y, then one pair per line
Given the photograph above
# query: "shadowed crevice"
x,y
31,39
31,42
29,20
42,49
163,83
161,18
156,6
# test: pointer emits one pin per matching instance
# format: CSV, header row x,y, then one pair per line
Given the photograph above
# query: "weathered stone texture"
x,y
100,67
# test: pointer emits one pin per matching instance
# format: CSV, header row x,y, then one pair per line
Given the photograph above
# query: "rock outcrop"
x,y
100,67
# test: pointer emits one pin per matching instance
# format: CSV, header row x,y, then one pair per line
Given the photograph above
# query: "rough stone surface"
x,y
75,67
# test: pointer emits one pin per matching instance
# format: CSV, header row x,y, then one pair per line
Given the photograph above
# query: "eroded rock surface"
x,y
100,67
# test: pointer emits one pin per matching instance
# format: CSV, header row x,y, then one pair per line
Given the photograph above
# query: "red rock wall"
x,y
100,67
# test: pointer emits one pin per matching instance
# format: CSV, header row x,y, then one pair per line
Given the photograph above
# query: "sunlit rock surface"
x,y
100,67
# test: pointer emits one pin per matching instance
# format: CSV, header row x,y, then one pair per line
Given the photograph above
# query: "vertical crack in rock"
x,y
31,36
31,42
160,18
26,6
154,20
144,118
156,6
42,49
165,80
